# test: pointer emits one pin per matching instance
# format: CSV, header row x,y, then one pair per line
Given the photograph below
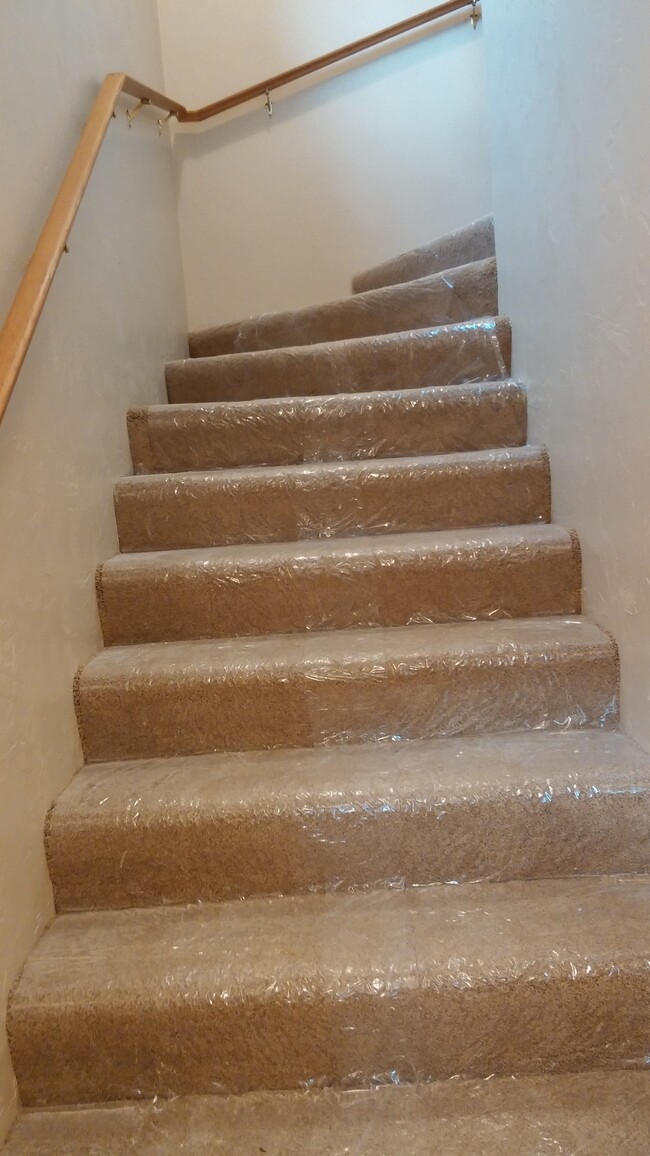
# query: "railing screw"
x,y
475,17
269,103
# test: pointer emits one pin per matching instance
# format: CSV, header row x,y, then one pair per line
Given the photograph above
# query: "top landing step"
x,y
475,242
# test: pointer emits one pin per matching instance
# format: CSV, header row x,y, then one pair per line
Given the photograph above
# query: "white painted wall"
x,y
570,120
115,312
356,165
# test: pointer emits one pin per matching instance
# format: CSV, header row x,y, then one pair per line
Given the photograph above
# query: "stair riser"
x,y
349,428
458,295
188,1041
163,513
192,855
432,357
197,710
173,601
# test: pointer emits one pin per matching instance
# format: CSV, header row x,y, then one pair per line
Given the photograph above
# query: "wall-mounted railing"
x,y
22,319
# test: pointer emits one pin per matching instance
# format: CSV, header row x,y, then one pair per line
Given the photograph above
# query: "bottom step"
x,y
336,991
595,1114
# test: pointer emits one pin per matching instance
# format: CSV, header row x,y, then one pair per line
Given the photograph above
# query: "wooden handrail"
x,y
282,78
22,319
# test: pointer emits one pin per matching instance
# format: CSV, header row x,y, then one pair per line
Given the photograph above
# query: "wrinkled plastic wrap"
x,y
215,827
584,1115
343,427
418,358
347,686
333,500
340,583
396,985
454,295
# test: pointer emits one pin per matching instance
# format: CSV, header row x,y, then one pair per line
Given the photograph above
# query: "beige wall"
x,y
570,118
115,312
355,165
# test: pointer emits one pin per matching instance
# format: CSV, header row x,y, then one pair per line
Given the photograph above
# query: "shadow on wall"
x,y
321,88
359,162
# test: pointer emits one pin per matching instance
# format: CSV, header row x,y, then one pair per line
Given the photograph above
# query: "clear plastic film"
x,y
356,833
340,583
346,686
452,295
224,826
342,427
417,358
580,1115
332,500
391,986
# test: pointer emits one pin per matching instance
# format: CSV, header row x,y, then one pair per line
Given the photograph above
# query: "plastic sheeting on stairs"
x,y
355,814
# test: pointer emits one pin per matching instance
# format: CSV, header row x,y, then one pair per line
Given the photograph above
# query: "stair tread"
x,y
350,426
428,982
217,827
591,1114
435,355
332,499
325,401
537,764
452,295
534,638
337,469
481,325
339,583
385,546
310,945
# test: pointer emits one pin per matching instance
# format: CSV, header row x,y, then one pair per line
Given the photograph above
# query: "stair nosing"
x,y
251,655
449,765
267,553
525,453
485,324
187,925
316,400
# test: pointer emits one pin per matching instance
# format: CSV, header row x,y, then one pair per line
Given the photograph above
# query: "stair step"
x,y
608,1111
347,426
217,827
288,992
182,698
473,242
447,355
332,499
335,584
441,299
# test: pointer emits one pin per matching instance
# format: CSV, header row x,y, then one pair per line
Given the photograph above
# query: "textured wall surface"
x,y
357,163
570,126
115,312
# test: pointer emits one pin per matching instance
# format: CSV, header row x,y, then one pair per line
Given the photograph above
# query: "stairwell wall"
x,y
115,312
570,136
358,163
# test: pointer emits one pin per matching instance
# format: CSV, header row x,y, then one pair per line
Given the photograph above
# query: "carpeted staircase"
x,y
356,829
